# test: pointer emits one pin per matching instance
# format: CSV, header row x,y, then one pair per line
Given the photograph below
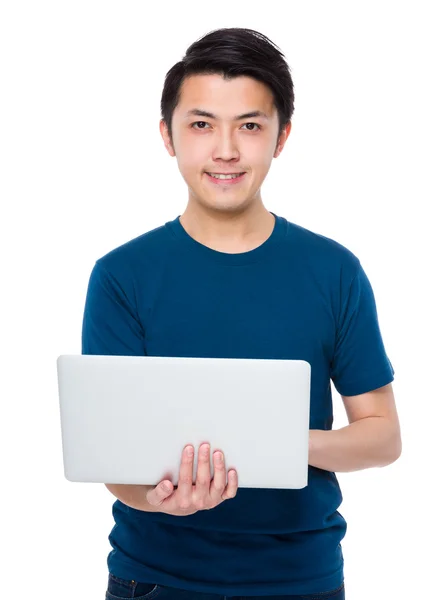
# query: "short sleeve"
x,y
110,321
360,363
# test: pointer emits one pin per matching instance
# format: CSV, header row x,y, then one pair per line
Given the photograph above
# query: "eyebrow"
x,y
204,113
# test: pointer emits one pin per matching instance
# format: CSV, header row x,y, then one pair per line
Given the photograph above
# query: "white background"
x,y
84,169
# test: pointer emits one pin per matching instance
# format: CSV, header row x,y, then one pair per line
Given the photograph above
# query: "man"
x,y
228,278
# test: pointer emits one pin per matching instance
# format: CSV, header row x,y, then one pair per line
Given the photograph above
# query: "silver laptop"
x,y
126,419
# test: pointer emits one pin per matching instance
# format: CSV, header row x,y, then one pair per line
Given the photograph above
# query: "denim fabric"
x,y
122,589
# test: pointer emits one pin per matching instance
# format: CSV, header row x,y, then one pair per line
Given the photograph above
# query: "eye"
x,y
196,122
205,123
256,125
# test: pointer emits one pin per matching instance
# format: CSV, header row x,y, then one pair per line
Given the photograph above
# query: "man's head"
x,y
227,74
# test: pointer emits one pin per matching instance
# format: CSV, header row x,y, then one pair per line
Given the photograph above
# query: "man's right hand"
x,y
204,495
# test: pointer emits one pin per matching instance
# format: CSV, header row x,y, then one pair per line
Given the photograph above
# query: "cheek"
x,y
193,166
193,157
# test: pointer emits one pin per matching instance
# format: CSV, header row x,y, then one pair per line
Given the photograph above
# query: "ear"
x,y
282,139
166,137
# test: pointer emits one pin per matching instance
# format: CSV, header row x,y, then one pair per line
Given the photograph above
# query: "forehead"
x,y
225,98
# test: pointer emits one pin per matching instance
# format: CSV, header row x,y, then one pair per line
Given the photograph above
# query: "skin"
x,y
228,219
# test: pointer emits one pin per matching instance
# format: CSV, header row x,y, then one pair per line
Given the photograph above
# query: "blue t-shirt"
x,y
299,295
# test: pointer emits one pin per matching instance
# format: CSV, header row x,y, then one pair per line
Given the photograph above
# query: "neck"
x,y
228,232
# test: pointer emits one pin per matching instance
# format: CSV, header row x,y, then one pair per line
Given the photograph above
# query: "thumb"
x,y
156,495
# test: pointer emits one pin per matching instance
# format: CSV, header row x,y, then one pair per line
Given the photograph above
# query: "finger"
x,y
231,488
219,482
156,495
203,478
185,483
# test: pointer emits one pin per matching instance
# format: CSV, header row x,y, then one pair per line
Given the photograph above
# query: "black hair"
x,y
232,52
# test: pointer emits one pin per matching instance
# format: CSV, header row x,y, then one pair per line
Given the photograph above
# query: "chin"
x,y
228,206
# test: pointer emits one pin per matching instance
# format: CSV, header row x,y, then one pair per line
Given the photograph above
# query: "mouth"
x,y
233,180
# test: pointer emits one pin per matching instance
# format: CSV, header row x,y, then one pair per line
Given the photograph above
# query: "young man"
x,y
228,278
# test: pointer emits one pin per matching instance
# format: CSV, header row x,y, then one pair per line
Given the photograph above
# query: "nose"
x,y
226,148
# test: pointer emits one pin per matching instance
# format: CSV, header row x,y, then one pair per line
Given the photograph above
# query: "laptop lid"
x,y
126,419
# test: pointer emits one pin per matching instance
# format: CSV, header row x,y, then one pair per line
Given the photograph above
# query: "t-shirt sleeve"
x,y
111,325
360,363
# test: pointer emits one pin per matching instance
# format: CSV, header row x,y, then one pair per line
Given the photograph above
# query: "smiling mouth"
x,y
225,177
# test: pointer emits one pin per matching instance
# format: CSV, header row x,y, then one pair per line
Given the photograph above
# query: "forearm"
x,y
132,495
370,442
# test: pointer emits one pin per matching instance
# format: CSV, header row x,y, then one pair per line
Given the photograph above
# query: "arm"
x,y
372,438
132,495
112,326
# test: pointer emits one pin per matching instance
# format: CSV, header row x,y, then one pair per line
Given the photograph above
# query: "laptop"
x,y
126,419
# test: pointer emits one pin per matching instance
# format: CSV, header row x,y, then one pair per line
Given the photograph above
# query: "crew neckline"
x,y
238,258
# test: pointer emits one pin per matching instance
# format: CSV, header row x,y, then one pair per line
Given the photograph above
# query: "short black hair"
x,y
232,52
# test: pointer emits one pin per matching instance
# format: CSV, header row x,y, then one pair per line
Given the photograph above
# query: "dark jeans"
x,y
121,589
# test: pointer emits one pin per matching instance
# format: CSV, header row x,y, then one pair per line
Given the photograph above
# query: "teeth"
x,y
224,176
